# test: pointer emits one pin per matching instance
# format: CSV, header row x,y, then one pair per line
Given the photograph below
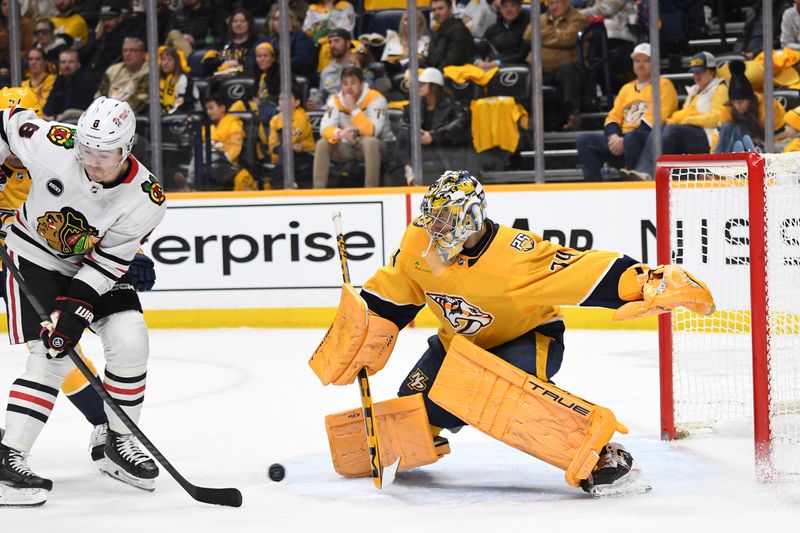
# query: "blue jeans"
x,y
729,133
593,152
675,139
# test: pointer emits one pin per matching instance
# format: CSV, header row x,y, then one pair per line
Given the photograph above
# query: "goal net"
x,y
733,220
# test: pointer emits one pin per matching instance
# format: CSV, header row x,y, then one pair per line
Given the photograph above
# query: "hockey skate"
x,y
126,462
19,486
97,442
615,474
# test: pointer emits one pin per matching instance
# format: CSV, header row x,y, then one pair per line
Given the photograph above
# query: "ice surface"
x,y
223,405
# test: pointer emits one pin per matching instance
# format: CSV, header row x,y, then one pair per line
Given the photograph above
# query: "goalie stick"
x,y
380,476
229,497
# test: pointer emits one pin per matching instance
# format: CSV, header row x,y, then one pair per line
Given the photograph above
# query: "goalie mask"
x,y
452,210
20,96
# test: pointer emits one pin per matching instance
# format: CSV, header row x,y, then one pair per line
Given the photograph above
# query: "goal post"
x,y
733,220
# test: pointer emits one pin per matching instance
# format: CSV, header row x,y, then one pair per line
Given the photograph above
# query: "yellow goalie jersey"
x,y
512,282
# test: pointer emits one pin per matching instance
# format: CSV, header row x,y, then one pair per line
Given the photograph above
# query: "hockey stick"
x,y
229,497
370,421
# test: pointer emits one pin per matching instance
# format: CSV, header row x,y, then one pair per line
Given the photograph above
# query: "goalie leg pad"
x,y
403,432
522,411
355,340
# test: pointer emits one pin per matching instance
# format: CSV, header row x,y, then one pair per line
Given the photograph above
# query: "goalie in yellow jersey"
x,y
15,183
496,293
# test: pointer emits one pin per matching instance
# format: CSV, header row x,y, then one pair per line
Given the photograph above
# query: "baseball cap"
x,y
432,75
702,61
641,48
110,8
340,32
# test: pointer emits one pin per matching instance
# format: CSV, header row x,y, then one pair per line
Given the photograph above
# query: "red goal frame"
x,y
758,289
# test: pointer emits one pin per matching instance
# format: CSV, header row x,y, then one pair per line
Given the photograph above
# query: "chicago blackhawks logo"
x,y
67,231
153,188
466,319
62,136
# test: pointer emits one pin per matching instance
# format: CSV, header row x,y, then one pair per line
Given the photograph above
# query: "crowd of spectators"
x,y
349,92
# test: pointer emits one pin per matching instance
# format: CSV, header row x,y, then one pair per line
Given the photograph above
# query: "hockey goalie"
x,y
496,293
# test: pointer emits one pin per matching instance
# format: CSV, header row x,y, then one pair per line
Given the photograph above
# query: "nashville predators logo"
x,y
153,188
417,381
523,243
67,231
62,136
635,112
465,318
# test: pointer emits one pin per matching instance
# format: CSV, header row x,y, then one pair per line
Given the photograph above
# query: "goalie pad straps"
x,y
663,289
355,340
523,411
403,431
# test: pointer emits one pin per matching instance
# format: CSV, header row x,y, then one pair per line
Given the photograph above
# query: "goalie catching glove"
x,y
663,289
357,339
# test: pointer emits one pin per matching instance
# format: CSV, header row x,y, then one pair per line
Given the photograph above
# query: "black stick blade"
x,y
227,497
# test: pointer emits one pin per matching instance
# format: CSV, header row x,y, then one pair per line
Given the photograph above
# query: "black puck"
x,y
276,472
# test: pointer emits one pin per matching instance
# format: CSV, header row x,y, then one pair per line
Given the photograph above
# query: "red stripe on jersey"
x,y
129,392
133,170
31,398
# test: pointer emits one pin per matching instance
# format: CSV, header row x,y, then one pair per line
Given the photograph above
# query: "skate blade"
x,y
113,471
632,483
389,473
14,497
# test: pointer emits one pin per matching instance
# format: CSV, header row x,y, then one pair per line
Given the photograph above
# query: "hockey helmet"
x,y
20,96
106,125
452,210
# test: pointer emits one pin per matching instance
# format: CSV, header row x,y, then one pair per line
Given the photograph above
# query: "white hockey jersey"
x,y
70,224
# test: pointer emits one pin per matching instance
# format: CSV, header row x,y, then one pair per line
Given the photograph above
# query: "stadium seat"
x,y
315,117
788,98
303,82
203,88
380,21
464,92
511,80
196,62
234,89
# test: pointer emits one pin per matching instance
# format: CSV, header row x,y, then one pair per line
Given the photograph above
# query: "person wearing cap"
x,y
355,126
444,124
693,128
505,36
744,113
330,79
628,124
106,48
451,41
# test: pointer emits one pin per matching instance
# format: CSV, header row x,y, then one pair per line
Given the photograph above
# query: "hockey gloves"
x,y
66,326
142,272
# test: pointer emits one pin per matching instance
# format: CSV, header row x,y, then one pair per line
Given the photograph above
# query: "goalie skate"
x,y
126,462
615,474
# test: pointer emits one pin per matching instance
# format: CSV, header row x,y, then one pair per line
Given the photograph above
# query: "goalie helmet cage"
x,y
733,220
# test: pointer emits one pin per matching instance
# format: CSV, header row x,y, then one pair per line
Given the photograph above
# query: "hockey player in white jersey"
x,y
90,207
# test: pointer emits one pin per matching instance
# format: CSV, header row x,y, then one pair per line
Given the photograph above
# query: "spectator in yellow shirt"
x,y
693,128
40,80
303,144
70,23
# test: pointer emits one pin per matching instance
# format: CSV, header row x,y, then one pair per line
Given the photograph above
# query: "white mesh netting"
x,y
712,356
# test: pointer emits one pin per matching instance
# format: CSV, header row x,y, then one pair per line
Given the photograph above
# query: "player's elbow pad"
x,y
355,340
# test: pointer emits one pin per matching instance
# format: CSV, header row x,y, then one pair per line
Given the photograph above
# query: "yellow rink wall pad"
x,y
575,318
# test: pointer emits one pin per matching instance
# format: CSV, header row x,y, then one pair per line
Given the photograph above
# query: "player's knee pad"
x,y
403,432
125,342
523,411
40,369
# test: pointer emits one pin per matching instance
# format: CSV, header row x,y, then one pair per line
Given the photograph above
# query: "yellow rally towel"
x,y
494,123
473,73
